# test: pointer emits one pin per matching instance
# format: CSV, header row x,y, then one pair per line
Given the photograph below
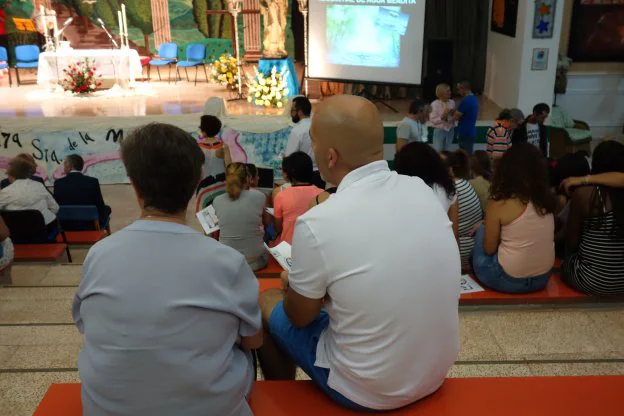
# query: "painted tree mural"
x,y
139,14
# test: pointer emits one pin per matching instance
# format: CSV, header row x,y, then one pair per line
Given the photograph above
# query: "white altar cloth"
x,y
121,64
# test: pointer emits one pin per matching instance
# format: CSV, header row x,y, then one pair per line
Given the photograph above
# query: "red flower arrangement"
x,y
81,77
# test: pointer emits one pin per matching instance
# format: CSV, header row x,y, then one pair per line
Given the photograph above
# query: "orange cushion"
x,y
82,237
273,269
39,252
270,283
555,292
513,396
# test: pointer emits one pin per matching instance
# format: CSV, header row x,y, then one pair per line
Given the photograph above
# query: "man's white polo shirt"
x,y
383,250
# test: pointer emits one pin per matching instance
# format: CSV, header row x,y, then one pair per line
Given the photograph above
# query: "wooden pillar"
x,y
252,34
160,22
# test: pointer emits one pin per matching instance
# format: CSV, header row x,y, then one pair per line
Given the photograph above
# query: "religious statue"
x,y
274,15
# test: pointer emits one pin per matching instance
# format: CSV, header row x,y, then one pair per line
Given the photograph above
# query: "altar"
x,y
123,65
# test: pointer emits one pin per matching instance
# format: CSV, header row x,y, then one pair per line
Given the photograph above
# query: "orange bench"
x,y
555,292
272,269
521,396
39,252
82,237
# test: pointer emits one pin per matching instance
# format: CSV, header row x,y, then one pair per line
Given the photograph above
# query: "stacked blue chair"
x,y
4,57
195,57
167,56
26,57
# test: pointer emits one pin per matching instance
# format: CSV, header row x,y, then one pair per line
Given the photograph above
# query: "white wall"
x,y
596,98
510,82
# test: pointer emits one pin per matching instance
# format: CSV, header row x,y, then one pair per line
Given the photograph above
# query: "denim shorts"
x,y
300,344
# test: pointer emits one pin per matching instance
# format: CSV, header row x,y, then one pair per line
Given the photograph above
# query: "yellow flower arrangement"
x,y
225,70
269,90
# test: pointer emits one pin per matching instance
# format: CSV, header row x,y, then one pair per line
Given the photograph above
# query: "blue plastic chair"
x,y
195,57
167,56
82,213
5,57
27,57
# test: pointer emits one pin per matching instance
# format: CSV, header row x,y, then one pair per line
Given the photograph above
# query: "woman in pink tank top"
x,y
514,250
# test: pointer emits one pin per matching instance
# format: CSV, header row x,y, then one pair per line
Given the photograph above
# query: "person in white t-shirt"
x,y
375,325
412,128
299,138
533,130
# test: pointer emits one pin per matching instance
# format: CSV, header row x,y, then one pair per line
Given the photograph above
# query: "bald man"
x,y
369,310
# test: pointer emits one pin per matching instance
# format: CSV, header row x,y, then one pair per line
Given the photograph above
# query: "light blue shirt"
x,y
412,131
162,309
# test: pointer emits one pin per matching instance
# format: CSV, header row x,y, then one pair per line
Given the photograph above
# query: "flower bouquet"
x,y
81,77
269,90
224,71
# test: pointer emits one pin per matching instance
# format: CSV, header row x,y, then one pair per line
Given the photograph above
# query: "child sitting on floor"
x,y
514,250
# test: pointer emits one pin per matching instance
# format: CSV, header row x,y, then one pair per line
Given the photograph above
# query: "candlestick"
x,y
43,20
56,36
125,23
120,27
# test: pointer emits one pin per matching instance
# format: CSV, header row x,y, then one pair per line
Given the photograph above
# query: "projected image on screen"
x,y
378,41
350,30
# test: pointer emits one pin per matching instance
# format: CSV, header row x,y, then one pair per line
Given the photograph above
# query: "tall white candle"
x,y
55,26
121,35
43,20
125,22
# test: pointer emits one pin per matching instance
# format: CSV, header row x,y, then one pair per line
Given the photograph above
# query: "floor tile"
x,y
44,357
477,341
28,275
63,275
489,370
20,393
35,311
563,334
6,352
36,293
56,335
577,369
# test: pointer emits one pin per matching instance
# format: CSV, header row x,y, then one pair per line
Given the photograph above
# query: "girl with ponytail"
x,y
242,216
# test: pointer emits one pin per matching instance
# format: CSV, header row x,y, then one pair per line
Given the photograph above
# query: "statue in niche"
x,y
274,15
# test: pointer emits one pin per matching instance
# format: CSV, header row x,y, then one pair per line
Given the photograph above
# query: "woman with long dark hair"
x,y
514,250
595,232
421,160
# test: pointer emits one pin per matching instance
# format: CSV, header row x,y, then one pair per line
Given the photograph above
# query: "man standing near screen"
x,y
299,138
466,115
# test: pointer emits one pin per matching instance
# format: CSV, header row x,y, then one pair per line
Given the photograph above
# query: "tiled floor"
x,y
39,344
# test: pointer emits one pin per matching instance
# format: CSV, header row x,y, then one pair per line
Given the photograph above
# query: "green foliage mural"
x,y
139,14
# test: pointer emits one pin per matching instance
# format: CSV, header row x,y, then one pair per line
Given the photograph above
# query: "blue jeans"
x,y
491,274
300,345
443,139
466,143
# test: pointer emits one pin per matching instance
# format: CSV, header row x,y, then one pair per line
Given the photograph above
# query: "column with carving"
x,y
252,35
160,22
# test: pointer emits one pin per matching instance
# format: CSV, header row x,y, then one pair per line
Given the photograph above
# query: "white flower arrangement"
x,y
269,90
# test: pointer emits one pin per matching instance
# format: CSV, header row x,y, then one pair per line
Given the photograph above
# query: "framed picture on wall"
x,y
597,31
504,17
540,59
544,20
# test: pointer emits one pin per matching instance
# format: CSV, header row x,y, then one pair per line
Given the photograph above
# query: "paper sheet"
x,y
208,219
281,253
468,285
